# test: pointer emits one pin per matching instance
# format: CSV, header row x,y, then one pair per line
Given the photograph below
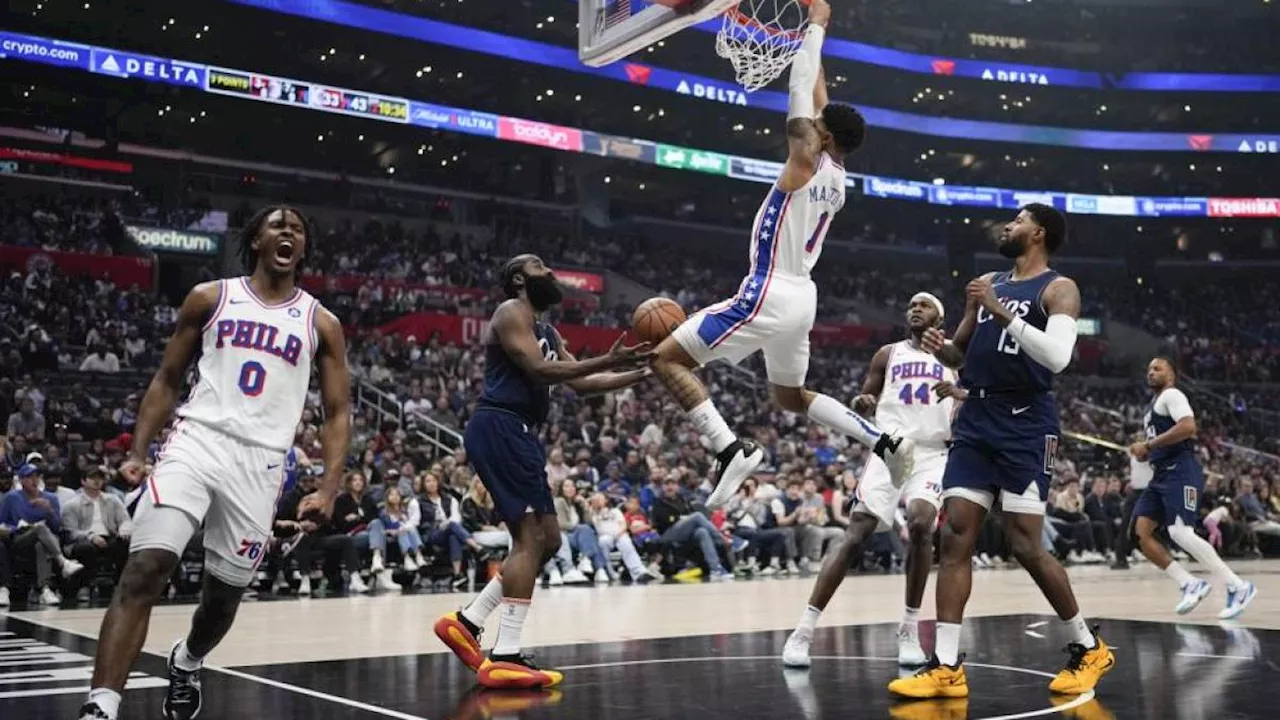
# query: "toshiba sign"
x,y
1244,207
536,133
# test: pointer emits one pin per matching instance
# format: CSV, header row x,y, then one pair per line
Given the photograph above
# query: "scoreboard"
x,y
326,98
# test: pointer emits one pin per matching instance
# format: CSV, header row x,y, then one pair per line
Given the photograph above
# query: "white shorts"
x,y
230,486
878,497
773,314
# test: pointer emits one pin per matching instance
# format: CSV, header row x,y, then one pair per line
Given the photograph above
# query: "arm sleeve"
x,y
1173,402
1051,347
804,73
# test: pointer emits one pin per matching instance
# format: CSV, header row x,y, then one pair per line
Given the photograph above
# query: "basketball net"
x,y
760,37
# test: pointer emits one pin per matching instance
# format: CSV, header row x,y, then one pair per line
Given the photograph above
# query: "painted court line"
x,y
1073,703
1217,657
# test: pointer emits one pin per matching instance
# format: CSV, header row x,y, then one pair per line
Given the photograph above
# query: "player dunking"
x,y
776,303
1019,329
256,338
1172,498
900,389
523,356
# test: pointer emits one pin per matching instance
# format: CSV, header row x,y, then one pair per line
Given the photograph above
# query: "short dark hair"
x,y
1168,361
847,126
1053,222
509,270
252,228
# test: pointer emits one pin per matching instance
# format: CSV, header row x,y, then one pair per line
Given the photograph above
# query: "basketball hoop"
x,y
759,38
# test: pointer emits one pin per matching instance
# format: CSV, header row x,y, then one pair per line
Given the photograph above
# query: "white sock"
x,y
184,660
1200,549
1078,630
511,617
911,616
1179,574
107,700
709,422
827,411
947,643
808,620
483,605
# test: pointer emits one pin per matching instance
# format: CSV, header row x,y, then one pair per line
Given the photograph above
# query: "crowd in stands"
x,y
629,473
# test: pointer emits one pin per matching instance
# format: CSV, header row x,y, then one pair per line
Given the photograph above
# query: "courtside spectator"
x,y
577,533
481,519
611,532
34,519
441,525
681,527
395,522
97,525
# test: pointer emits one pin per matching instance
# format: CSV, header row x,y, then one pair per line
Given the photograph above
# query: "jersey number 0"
x,y
252,378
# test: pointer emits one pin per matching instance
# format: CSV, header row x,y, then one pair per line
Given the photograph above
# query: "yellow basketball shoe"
x,y
934,680
1085,668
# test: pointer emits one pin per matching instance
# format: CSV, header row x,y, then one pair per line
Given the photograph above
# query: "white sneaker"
x,y
806,566
899,456
554,578
377,565
987,562
910,654
1075,557
49,597
409,564
602,577
721,576
768,570
575,577
4,596
1192,594
791,568
585,566
386,579
743,458
304,588
357,585
70,567
1237,600
795,654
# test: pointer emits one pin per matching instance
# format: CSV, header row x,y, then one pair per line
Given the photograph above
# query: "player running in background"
x,y
1018,331
523,357
1172,498
911,393
777,301
256,338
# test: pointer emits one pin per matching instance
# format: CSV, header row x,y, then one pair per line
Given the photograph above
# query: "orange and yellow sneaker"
x,y
501,672
1084,669
462,637
934,680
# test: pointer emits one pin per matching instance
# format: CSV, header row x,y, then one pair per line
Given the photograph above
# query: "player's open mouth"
x,y
284,252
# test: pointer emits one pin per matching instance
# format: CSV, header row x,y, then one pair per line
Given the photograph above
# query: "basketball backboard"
x,y
609,30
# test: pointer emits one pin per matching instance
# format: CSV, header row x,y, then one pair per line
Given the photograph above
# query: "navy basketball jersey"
x,y
994,360
1165,410
506,386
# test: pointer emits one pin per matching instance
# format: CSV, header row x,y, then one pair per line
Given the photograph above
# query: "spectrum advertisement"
x,y
311,96
528,51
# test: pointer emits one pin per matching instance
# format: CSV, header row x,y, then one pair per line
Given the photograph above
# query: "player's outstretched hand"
x,y
621,356
933,340
864,403
947,389
981,291
1140,451
819,12
317,503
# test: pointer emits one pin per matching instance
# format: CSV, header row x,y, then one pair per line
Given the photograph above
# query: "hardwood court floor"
x,y
706,651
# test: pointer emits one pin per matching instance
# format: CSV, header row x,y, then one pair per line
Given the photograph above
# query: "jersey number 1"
x,y
921,394
252,378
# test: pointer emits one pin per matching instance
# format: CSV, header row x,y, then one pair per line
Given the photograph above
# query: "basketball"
x,y
656,318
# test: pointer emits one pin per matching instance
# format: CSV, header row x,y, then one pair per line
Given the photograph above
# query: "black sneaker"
x,y
182,700
91,711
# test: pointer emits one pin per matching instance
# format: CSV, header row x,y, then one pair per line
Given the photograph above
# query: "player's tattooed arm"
x,y
601,383
513,324
335,397
873,384
166,385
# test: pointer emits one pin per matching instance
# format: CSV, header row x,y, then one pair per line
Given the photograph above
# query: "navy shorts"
x,y
511,462
1174,493
1003,443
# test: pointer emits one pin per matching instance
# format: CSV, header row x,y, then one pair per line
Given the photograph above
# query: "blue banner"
x,y
44,51
443,117
966,196
528,51
130,65
1175,207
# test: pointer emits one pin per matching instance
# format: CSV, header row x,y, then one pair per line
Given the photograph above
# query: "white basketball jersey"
x,y
789,227
908,404
254,366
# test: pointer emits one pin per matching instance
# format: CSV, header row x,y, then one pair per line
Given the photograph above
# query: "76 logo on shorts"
x,y
251,549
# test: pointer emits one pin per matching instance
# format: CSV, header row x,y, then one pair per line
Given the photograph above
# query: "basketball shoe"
x,y
934,680
1192,594
1084,669
898,454
500,672
462,637
734,465
183,699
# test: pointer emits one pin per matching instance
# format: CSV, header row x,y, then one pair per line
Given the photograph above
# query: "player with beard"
x,y
1018,331
912,395
523,356
222,467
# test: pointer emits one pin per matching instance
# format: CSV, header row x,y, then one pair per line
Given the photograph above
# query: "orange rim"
x,y
746,20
